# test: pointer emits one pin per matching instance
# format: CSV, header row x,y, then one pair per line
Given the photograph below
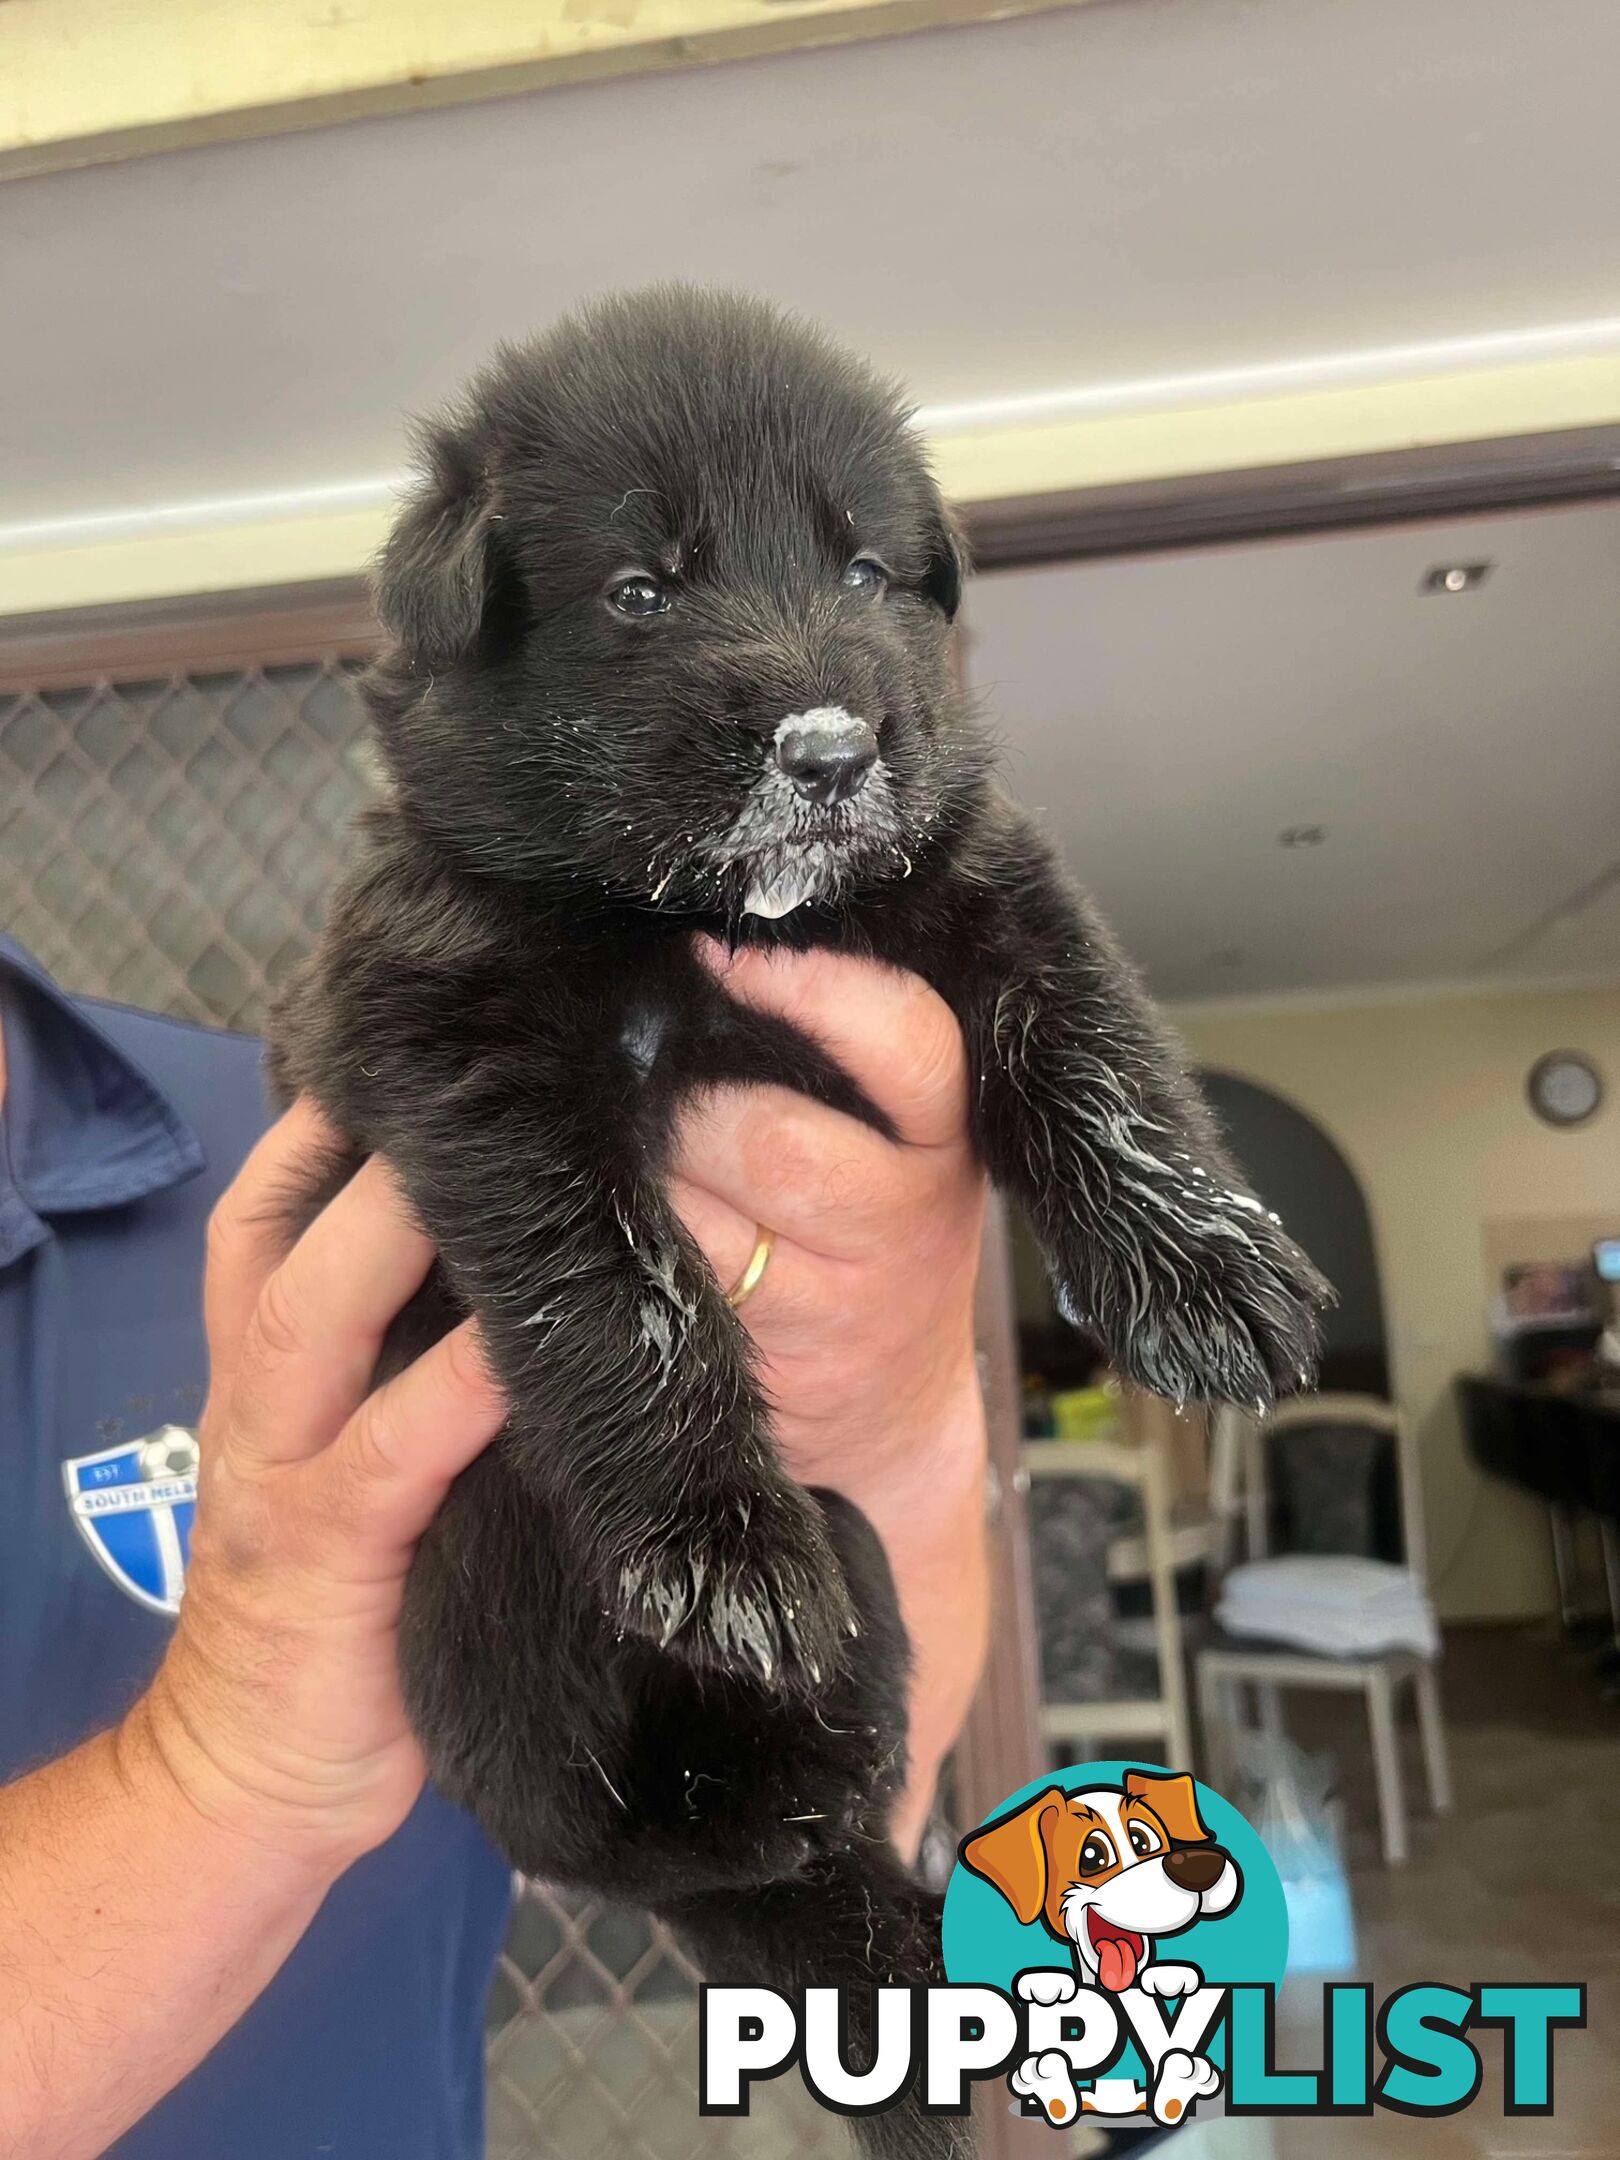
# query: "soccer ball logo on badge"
x,y
133,1504
171,1452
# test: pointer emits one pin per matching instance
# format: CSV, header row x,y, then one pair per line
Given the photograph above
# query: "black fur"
x,y
647,1660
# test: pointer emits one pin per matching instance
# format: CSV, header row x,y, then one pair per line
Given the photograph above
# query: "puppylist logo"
x,y
1113,1938
1103,1894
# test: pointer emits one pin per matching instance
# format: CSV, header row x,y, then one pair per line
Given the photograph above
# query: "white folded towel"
x,y
1336,1606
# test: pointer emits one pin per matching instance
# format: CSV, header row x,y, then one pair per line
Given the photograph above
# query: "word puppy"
x,y
669,650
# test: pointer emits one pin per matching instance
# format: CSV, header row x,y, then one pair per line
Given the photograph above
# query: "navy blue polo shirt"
x,y
118,1131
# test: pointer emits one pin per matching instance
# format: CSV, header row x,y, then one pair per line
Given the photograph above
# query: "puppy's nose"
x,y
827,754
1195,1867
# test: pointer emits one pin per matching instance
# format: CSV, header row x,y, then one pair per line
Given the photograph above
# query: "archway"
x,y
1297,1170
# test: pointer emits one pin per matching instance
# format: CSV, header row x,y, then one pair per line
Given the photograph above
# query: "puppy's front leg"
x,y
640,1378
1086,1115
634,1412
634,1406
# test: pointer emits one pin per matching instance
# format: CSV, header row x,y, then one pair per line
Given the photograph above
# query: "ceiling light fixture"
x,y
1458,577
1302,835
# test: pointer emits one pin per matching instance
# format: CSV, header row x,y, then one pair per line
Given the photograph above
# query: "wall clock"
x,y
1564,1087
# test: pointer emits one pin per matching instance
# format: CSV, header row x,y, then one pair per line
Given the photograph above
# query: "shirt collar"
x,y
81,1126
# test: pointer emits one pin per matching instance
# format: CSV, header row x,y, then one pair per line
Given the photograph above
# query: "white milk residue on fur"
x,y
797,851
811,872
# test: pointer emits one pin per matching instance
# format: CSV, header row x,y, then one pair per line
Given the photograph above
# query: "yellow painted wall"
x,y
85,82
1426,1099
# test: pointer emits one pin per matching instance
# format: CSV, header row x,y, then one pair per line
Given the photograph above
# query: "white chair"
x,y
1138,1454
1238,1495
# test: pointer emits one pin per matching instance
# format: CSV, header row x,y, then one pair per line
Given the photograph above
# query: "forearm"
x,y
133,1933
933,1529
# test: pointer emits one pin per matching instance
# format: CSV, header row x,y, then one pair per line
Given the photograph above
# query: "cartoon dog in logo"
x,y
1108,1872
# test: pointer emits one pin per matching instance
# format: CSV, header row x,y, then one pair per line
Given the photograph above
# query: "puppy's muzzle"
x,y
827,754
1195,1868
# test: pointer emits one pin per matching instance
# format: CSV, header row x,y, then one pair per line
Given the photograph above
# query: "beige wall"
x,y
1427,1101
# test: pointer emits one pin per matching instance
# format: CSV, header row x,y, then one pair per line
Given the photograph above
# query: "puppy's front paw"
x,y
1210,1300
1245,1328
750,1588
1047,1985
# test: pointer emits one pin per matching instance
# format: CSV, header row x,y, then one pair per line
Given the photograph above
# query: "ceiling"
x,y
1173,714
1129,191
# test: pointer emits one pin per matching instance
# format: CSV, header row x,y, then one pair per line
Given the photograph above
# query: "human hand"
x,y
864,1316
277,1709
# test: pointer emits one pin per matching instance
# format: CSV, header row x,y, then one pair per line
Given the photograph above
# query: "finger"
x,y
251,1229
395,1459
724,1234
798,1290
311,1347
890,1032
784,1163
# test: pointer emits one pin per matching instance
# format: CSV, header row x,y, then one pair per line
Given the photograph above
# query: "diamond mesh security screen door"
x,y
169,842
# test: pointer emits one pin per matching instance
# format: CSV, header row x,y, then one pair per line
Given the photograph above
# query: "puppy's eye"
x,y
639,595
1143,1840
868,577
1096,1853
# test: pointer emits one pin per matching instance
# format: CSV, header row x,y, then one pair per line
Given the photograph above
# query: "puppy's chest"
x,y
663,1046
644,1031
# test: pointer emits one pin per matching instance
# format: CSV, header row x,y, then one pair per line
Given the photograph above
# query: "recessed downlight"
x,y
1456,577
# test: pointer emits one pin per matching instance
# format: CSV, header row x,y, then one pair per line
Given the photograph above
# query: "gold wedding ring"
x,y
758,1260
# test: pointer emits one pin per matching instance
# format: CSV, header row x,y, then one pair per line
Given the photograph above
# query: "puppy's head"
x,y
1106,1871
670,616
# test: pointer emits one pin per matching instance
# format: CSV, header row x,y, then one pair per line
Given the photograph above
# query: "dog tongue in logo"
x,y
1119,1952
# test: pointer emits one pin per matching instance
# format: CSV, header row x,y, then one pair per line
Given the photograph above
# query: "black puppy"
x,y
670,650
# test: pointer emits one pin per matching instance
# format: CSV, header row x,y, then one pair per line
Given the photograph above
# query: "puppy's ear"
x,y
1173,1800
947,564
1011,1854
436,577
